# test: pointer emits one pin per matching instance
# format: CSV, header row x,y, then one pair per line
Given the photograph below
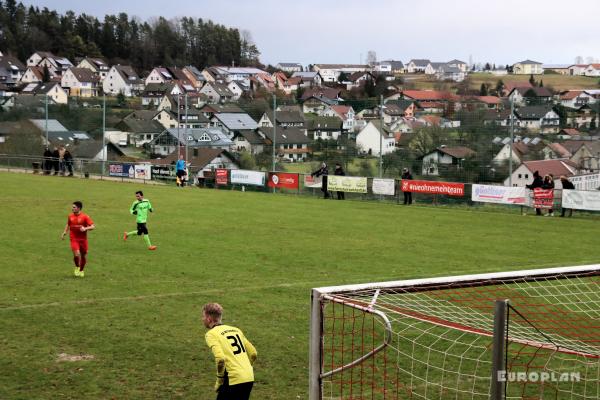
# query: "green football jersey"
x,y
140,209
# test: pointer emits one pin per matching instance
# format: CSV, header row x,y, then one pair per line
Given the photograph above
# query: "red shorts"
x,y
79,244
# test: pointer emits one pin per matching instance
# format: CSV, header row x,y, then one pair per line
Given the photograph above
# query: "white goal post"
x,y
420,334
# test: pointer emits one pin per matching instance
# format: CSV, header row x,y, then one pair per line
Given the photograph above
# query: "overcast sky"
x,y
311,31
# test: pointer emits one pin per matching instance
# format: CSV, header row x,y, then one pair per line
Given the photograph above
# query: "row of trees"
x,y
123,39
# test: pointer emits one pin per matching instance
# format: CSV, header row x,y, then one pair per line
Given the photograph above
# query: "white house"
x,y
345,113
577,69
309,78
370,140
417,66
289,67
57,66
51,89
216,92
122,79
576,98
592,70
445,156
37,57
32,75
80,82
331,72
541,119
528,67
236,88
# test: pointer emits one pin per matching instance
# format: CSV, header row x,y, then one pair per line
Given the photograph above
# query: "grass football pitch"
x,y
131,328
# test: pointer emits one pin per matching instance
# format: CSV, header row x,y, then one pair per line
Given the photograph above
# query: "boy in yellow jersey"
x,y
234,355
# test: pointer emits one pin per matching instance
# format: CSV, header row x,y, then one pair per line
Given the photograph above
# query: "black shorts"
x,y
180,173
142,229
241,391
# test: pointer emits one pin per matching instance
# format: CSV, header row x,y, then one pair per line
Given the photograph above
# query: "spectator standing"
x,y
47,161
55,157
549,184
537,183
323,172
340,172
69,162
566,185
61,159
406,175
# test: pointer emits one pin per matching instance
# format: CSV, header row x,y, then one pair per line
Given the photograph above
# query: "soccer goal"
x,y
531,334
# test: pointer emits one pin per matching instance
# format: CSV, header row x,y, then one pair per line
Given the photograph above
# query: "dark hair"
x,y
139,192
78,204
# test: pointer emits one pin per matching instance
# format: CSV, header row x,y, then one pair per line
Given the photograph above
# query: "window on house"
x,y
519,176
526,176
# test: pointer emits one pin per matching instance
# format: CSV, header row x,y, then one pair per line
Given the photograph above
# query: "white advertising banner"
x,y
143,171
353,184
246,177
586,182
581,200
384,186
500,194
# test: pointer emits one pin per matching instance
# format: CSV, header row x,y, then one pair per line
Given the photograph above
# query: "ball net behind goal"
x,y
432,339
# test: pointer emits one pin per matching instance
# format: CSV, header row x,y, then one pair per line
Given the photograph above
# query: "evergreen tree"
x,y
483,91
531,80
541,83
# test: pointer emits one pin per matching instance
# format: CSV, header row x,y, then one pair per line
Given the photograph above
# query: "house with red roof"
x,y
575,98
345,113
523,174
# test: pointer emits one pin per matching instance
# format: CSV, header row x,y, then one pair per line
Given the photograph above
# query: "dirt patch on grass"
x,y
64,357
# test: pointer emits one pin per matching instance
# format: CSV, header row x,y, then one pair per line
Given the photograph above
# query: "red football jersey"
x,y
75,222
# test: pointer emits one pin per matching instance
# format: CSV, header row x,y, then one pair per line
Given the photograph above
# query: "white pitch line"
x,y
152,296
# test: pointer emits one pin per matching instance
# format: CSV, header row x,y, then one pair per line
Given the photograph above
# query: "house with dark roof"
x,y
324,128
154,92
32,75
167,75
11,70
216,92
308,79
97,65
290,143
520,152
232,122
291,119
417,66
445,157
122,79
80,82
211,109
461,65
142,128
530,95
51,89
167,141
358,79
394,110
57,66
248,140
37,57
542,119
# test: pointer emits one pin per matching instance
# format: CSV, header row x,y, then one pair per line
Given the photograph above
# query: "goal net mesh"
x,y
441,339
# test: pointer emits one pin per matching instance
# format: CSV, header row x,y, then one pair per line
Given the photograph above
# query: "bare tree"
x,y
578,60
589,60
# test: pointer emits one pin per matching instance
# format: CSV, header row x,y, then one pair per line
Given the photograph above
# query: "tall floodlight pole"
x,y
178,121
512,140
274,131
103,132
381,137
47,143
185,128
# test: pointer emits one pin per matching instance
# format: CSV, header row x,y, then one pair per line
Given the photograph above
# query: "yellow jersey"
x,y
229,345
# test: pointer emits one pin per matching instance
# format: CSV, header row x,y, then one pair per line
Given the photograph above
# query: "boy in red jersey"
x,y
78,224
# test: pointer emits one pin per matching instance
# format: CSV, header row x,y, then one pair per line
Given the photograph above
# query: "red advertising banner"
x,y
433,187
543,198
221,177
283,180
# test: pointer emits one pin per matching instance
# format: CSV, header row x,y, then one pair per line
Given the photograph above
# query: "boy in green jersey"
x,y
140,208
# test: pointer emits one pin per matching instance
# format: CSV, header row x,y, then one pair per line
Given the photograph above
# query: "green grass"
x,y
556,81
137,312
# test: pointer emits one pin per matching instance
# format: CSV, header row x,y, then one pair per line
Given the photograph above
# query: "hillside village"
x,y
420,113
